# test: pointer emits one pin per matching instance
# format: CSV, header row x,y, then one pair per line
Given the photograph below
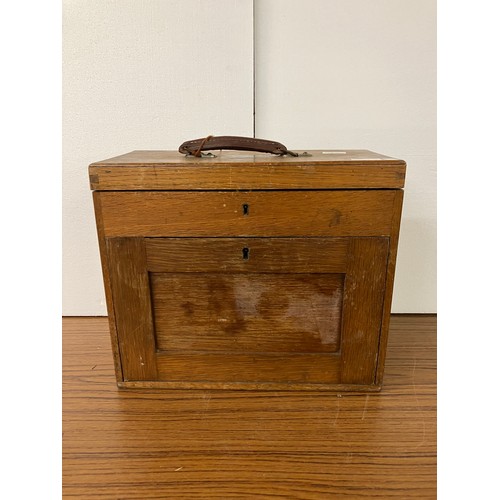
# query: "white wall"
x,y
359,74
329,73
142,75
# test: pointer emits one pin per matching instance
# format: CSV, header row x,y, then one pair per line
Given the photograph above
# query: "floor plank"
x,y
217,444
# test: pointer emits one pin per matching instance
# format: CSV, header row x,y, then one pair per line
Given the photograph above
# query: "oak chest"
x,y
249,271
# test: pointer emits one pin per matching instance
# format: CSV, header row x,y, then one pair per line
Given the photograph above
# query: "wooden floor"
x,y
171,444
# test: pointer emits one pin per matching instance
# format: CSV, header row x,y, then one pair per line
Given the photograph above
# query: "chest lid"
x,y
233,170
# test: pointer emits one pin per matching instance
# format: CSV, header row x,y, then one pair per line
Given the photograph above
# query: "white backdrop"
x,y
359,74
142,75
354,74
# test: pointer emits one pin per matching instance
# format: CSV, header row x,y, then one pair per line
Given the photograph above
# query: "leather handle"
x,y
210,143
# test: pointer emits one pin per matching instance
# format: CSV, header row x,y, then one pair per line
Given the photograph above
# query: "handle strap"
x,y
196,146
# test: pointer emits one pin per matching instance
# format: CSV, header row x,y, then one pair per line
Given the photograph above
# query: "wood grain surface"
x,y
247,313
220,213
171,158
362,309
265,255
107,287
132,303
287,369
170,444
239,321
389,284
152,170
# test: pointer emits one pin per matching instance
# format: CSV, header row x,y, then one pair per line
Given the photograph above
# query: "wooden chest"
x,y
249,271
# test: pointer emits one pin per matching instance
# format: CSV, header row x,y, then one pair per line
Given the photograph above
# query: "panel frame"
x,y
367,257
130,289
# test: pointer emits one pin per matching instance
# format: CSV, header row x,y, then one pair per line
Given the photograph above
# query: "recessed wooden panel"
x,y
247,312
263,255
279,213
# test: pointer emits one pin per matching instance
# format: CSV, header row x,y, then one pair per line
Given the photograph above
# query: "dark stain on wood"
x,y
335,217
188,308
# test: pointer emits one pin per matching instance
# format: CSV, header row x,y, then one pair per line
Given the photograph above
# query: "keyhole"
x,y
245,251
245,208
